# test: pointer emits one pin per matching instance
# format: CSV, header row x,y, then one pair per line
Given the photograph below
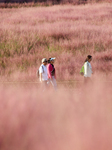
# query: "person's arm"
x,y
55,74
91,69
40,73
40,77
49,71
85,69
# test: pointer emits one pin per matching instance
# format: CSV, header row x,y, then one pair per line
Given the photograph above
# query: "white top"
x,y
43,70
87,69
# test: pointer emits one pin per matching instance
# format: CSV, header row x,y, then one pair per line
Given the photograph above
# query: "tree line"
x,y
47,1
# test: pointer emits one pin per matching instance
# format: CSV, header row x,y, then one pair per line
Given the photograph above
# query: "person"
x,y
52,72
43,73
87,68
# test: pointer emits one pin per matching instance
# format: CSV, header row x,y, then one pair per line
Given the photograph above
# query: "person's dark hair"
x,y
88,57
49,60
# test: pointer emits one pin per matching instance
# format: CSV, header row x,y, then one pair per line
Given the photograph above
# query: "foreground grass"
x,y
78,119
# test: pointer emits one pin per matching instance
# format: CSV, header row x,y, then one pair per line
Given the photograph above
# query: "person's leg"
x,y
87,80
44,85
53,82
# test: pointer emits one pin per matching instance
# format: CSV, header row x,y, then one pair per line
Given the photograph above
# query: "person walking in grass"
x,y
43,75
52,72
87,68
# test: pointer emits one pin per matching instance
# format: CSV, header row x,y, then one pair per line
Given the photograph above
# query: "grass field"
x,y
76,116
67,119
68,33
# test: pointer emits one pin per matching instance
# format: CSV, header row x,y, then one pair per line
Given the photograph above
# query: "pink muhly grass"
x,y
79,118
29,34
